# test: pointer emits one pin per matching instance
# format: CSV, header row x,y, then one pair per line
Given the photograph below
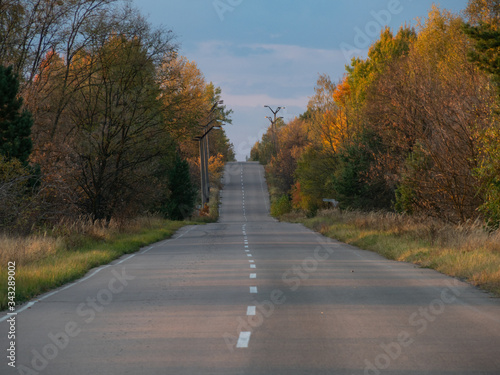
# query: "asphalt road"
x,y
250,295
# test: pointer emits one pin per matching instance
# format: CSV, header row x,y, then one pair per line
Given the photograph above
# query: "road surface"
x,y
250,295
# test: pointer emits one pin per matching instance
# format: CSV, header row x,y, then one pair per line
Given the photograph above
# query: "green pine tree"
x,y
15,123
182,197
486,52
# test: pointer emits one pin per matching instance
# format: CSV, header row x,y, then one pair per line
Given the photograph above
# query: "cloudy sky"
x,y
270,52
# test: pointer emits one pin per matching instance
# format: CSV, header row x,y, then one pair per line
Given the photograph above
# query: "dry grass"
x,y
66,236
466,251
25,250
464,237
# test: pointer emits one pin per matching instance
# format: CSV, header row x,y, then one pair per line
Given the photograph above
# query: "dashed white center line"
x,y
243,340
250,310
249,255
253,275
251,261
253,289
252,265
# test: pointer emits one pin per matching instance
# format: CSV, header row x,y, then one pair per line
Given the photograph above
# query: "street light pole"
x,y
273,126
205,156
202,171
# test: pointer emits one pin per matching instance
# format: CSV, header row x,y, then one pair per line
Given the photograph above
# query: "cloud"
x,y
277,70
259,100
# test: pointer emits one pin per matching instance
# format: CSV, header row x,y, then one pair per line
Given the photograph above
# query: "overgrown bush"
x,y
281,206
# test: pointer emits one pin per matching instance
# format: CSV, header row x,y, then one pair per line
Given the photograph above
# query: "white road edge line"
x,y
131,256
41,298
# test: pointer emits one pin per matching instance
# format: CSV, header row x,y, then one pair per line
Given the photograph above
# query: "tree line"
x,y
98,112
413,127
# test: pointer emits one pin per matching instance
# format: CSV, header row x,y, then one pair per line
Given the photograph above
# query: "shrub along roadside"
x,y
47,262
211,213
467,252
280,206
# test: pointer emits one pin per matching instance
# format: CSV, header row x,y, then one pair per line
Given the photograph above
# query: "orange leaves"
x,y
185,96
216,168
342,92
48,63
332,123
300,200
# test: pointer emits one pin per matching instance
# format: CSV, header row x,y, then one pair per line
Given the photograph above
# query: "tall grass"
x,y
465,251
25,250
67,251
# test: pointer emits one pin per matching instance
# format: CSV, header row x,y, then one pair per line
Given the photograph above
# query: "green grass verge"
x,y
473,257
69,263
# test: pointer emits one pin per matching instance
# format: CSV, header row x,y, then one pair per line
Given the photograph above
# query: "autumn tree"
x,y
342,146
293,139
313,178
105,118
323,113
428,109
186,99
29,29
118,126
55,77
484,29
362,73
414,126
483,12
184,96
112,104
